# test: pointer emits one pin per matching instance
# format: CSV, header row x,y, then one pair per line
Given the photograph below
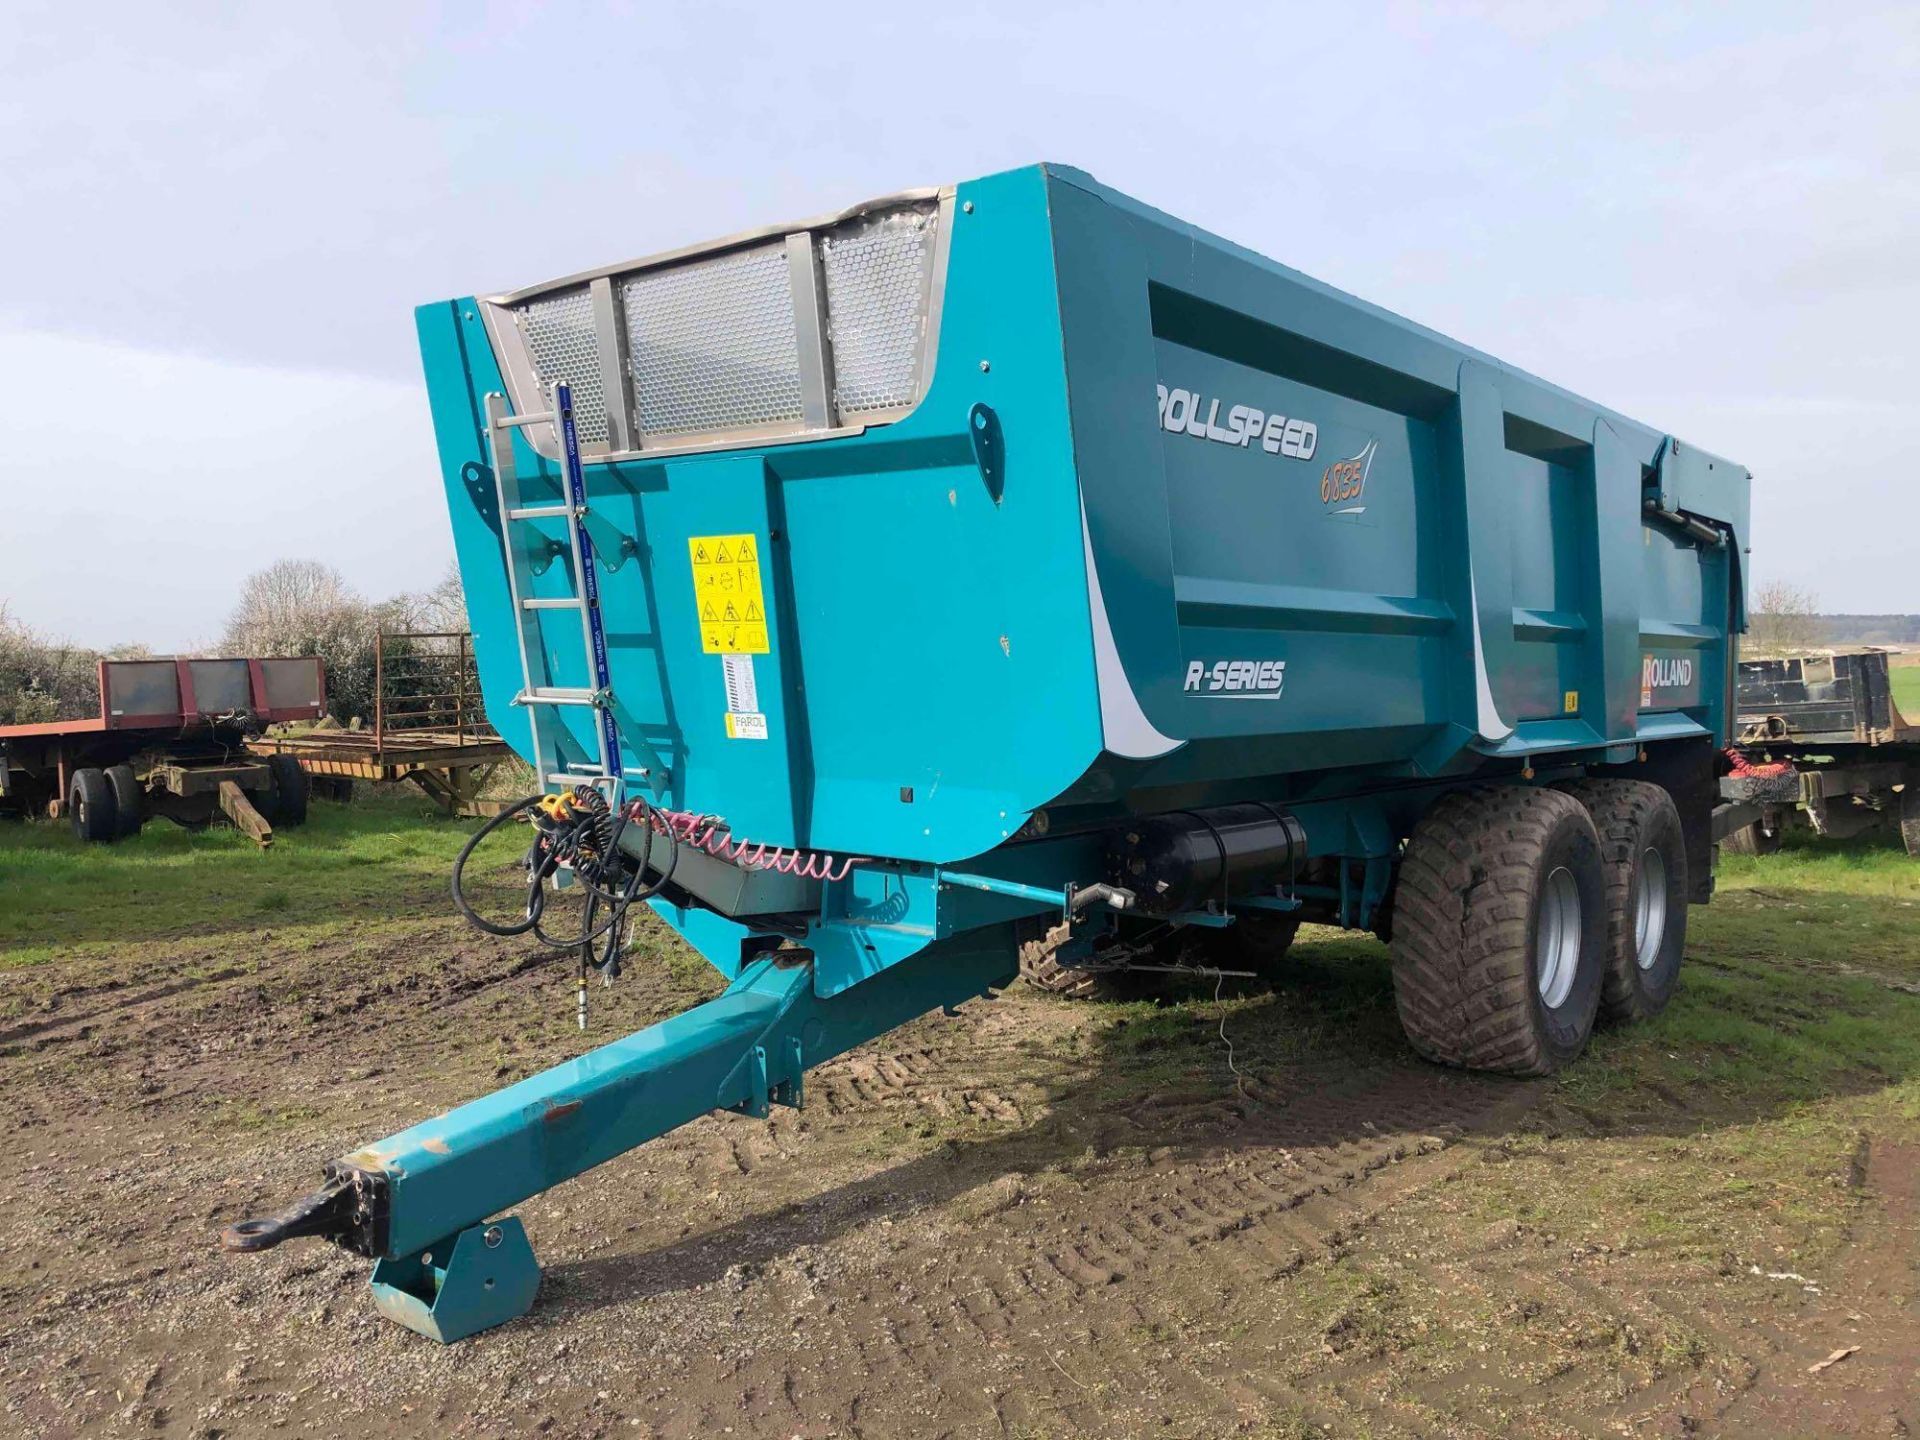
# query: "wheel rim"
x,y
1557,937
1650,910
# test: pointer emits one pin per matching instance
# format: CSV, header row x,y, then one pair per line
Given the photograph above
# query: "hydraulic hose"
x,y
580,831
535,894
577,830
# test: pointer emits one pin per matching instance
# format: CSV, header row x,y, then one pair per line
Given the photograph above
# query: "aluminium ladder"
x,y
537,692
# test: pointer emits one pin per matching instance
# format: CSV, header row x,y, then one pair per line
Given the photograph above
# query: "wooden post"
x,y
237,808
460,689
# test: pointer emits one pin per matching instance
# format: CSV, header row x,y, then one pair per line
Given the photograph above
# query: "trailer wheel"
x,y
1910,817
1760,838
1500,931
90,803
290,790
1645,857
128,801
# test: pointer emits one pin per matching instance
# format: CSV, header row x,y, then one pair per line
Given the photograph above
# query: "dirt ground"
x,y
1029,1219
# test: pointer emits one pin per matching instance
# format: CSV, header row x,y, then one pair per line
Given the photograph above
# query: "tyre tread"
x,y
1461,973
1622,812
90,796
125,785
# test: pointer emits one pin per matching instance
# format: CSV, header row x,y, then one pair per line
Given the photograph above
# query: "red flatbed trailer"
x,y
170,740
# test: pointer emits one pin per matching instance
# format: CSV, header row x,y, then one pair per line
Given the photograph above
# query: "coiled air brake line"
x,y
578,830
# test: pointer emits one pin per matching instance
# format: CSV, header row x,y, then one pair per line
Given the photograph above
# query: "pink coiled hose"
x,y
713,835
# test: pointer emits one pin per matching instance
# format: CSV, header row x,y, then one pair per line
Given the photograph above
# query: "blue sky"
x,y
219,218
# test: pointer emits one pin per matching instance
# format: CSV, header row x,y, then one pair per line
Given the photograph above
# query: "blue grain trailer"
x,y
1009,576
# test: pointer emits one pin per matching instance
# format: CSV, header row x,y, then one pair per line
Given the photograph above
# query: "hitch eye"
x,y
251,1235
331,1211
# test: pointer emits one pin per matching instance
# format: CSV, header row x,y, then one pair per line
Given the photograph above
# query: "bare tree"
x,y
1783,619
289,602
441,610
302,607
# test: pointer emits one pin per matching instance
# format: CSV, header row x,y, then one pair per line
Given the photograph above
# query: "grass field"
x,y
1906,690
1311,1234
344,867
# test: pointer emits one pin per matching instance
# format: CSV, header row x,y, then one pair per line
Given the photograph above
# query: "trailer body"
x,y
1113,595
1034,574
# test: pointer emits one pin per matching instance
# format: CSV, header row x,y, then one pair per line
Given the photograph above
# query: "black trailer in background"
x,y
1821,742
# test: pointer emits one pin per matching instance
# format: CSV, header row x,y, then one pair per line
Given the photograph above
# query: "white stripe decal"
x,y
1491,726
1124,724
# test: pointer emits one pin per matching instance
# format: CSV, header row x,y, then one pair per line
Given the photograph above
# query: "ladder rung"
x,y
540,512
570,602
544,417
555,695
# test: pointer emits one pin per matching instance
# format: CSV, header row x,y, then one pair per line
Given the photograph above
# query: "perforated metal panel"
x,y
560,339
712,344
718,344
877,273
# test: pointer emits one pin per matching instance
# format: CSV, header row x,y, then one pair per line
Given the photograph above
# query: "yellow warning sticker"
x,y
1570,702
727,594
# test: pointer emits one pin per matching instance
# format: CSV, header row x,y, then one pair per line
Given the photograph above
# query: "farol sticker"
x,y
744,719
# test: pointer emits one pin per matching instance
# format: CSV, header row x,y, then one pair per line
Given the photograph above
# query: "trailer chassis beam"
x,y
420,1200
